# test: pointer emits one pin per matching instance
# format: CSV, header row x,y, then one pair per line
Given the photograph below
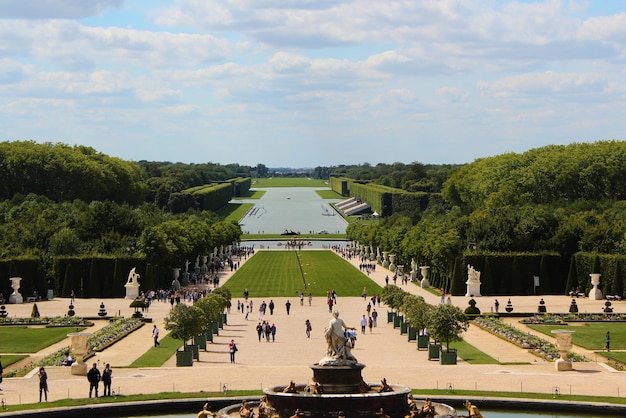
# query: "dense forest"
x,y
72,201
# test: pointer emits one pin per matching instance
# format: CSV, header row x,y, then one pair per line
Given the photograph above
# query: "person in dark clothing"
x,y
106,379
93,376
288,307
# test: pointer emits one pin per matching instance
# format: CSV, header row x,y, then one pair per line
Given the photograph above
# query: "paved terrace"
x,y
385,352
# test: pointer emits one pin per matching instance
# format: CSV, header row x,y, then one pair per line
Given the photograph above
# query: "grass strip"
x,y
17,339
471,354
157,356
9,359
329,194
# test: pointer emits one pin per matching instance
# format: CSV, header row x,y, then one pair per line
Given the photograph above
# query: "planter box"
x,y
412,333
193,349
220,321
433,351
216,328
209,336
422,342
200,341
390,316
404,328
397,320
184,358
224,318
447,357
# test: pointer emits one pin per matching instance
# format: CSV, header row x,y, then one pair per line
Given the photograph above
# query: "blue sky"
x,y
303,83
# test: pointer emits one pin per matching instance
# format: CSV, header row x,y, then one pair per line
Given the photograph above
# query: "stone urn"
x,y
563,344
595,293
424,272
16,297
78,346
385,263
392,262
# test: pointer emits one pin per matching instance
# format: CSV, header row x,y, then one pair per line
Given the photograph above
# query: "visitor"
x,y
363,324
496,305
330,305
106,379
232,349
271,306
273,331
370,323
301,299
93,376
259,330
374,318
288,307
607,341
43,383
155,336
310,298
307,324
68,360
364,293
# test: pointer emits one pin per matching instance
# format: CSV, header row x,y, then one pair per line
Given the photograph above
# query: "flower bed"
x,y
552,319
56,321
536,345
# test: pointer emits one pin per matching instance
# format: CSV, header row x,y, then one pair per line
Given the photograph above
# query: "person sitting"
x,y
290,388
428,410
245,411
68,360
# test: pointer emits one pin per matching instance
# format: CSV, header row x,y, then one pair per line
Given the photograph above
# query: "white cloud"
x,y
54,9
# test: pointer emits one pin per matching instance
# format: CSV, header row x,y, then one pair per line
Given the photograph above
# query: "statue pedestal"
x,y
16,298
132,290
473,288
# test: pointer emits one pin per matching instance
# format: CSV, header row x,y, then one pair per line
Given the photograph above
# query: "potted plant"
x,y
185,322
417,312
212,307
446,324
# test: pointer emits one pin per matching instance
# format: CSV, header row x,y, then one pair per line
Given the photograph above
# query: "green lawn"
x,y
157,356
329,194
234,211
471,354
284,274
17,339
590,335
288,182
8,359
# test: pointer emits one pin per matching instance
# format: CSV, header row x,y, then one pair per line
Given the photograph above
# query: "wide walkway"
x,y
260,364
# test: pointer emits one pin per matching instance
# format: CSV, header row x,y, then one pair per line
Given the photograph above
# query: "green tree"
x,y
447,323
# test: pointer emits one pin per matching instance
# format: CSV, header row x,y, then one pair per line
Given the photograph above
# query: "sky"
x,y
306,83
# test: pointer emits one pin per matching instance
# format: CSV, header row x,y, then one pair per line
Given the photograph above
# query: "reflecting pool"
x,y
297,209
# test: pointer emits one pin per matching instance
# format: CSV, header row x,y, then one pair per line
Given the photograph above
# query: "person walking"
x,y
310,298
0,372
370,323
607,341
288,307
307,324
155,336
363,324
271,306
374,318
496,304
93,376
43,383
106,379
232,349
259,330
330,305
273,331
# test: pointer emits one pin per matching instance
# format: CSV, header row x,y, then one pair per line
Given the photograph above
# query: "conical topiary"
x,y
102,312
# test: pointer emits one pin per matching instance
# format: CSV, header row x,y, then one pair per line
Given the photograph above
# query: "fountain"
x,y
337,385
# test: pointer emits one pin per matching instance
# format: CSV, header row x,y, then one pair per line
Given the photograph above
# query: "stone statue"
x,y
472,274
132,285
339,344
133,276
473,282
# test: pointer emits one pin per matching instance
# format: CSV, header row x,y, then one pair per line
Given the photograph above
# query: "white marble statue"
x,y
339,344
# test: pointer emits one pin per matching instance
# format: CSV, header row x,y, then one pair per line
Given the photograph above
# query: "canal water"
x,y
297,209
